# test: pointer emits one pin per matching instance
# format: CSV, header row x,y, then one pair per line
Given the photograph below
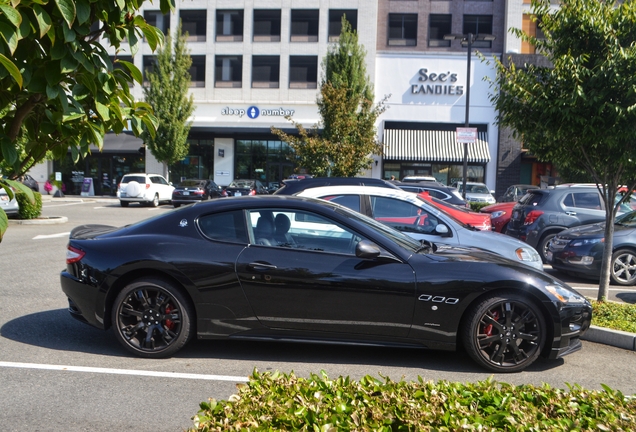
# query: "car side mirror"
x,y
367,249
442,230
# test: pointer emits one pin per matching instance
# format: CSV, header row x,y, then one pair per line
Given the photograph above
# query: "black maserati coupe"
x,y
290,268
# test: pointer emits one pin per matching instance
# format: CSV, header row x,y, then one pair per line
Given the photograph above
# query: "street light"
x,y
468,40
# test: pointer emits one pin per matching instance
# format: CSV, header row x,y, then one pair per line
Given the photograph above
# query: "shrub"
x,y
613,315
277,401
28,209
476,206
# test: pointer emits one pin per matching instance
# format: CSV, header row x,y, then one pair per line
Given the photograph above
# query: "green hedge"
x,y
29,210
285,402
476,206
614,315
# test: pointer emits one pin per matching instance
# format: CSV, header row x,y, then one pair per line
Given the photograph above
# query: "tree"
x,y
59,90
580,113
167,94
347,113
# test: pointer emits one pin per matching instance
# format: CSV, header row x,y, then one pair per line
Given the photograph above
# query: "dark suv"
x,y
292,186
542,213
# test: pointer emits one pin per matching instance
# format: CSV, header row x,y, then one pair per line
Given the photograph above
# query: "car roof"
x,y
294,186
360,189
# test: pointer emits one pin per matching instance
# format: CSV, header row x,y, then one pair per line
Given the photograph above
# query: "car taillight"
x,y
147,185
199,192
252,192
119,186
224,193
73,255
532,216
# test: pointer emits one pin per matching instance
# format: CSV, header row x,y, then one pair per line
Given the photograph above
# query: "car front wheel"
x,y
623,270
543,246
504,333
152,318
155,201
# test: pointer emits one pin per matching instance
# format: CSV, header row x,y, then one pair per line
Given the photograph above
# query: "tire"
x,y
155,201
175,205
152,318
542,248
504,333
124,203
623,267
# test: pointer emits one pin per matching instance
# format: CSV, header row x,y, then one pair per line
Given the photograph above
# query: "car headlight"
x,y
497,214
564,295
584,242
527,254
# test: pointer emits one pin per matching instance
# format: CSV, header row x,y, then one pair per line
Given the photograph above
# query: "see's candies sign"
x,y
466,135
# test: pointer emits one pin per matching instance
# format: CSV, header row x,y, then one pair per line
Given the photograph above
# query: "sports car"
x,y
291,268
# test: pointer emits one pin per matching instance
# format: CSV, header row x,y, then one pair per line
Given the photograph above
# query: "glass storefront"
x,y
446,173
198,164
264,160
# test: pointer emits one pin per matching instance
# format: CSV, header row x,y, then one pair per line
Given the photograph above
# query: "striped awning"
x,y
432,146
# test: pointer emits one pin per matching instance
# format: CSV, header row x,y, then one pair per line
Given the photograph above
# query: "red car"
x,y
499,215
478,220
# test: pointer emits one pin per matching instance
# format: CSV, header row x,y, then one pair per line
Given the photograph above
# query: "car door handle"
x,y
261,266
570,213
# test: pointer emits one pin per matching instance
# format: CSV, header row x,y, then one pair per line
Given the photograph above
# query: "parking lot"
x,y
61,375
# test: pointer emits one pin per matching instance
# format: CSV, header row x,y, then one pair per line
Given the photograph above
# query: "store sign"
x,y
254,112
435,83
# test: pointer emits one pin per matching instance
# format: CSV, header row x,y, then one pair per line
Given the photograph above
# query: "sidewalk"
x,y
596,334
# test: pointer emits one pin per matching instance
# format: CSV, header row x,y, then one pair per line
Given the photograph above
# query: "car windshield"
x,y
242,184
191,183
477,189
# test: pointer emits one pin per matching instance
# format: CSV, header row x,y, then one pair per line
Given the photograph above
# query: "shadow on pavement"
x,y
627,297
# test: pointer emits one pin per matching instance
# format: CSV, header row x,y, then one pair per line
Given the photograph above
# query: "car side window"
x,y
350,201
298,229
226,226
403,215
590,200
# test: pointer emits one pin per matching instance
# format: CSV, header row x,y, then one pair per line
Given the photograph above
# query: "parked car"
x,y
475,192
9,205
418,179
418,218
436,190
543,213
29,181
195,190
475,219
149,189
515,192
579,251
344,279
291,187
500,214
242,187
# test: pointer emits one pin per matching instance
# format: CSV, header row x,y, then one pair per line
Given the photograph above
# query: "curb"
x,y
41,221
615,338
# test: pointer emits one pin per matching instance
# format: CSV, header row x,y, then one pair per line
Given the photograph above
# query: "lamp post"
x,y
468,38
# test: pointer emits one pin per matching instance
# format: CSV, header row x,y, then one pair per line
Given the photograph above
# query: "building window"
x,y
197,71
265,71
159,20
478,24
440,25
266,25
335,22
194,23
229,25
304,25
403,29
149,63
228,71
303,72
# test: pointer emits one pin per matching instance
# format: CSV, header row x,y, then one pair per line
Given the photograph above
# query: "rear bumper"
x,y
82,299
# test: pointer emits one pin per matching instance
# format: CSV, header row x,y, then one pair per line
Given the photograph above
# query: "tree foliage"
x,y
580,113
167,94
58,87
343,141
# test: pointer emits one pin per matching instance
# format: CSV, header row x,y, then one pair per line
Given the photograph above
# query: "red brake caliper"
x,y
488,328
169,322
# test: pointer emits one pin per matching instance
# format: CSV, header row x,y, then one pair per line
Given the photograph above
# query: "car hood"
x,y
593,231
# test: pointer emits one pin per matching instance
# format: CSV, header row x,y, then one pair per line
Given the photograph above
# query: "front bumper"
x,y
574,320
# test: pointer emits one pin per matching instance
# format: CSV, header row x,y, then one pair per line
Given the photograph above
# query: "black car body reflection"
x,y
290,268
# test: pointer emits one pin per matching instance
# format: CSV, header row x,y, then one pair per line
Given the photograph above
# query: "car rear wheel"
x,y
623,270
152,318
155,201
543,246
176,205
504,333
123,203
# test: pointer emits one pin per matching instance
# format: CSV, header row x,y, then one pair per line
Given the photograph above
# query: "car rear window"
x,y
191,183
138,179
531,198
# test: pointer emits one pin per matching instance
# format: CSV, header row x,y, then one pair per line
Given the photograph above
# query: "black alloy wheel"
x,y
152,318
504,333
623,270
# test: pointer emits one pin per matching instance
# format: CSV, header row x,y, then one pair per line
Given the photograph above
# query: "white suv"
x,y
150,189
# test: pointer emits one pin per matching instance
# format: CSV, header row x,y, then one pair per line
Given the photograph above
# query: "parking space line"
x,y
40,237
124,372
